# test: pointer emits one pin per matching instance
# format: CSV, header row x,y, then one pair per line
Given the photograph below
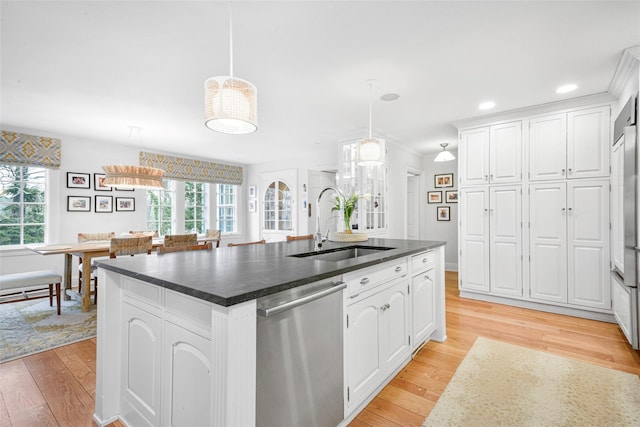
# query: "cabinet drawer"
x,y
423,261
362,280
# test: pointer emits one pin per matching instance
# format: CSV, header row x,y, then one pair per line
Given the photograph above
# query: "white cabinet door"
x,y
474,240
588,143
617,205
505,227
188,378
394,325
505,157
473,162
363,348
423,306
142,361
588,243
548,242
547,147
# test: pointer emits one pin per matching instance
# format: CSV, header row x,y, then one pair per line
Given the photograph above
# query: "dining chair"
x,y
152,233
216,234
259,242
121,246
167,249
305,237
91,237
173,240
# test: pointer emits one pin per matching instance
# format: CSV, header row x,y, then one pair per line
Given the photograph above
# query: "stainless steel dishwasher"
x,y
300,357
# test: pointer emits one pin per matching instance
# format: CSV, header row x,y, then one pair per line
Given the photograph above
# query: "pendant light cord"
x,y
370,108
230,41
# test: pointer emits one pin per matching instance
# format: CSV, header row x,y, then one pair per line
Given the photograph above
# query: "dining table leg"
x,y
86,279
68,258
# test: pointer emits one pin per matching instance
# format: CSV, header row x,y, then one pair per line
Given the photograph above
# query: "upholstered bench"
x,y
32,280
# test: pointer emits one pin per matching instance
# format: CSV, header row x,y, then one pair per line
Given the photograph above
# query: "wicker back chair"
x,y
173,240
91,237
130,246
259,242
152,233
306,237
216,234
164,249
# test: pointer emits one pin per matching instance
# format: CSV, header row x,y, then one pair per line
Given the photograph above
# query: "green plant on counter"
x,y
350,204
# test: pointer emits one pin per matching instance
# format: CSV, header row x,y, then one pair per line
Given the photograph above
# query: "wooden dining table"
x,y
87,251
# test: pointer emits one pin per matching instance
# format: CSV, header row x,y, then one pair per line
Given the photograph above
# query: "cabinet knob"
x,y
385,307
491,176
424,260
364,281
562,171
486,177
570,170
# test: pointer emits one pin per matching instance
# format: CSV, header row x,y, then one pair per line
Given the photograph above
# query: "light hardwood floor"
x,y
57,387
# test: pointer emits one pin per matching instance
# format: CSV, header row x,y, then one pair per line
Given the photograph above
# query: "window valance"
x,y
193,170
30,150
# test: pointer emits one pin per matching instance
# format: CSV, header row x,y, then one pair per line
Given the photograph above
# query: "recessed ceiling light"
x,y
389,97
487,105
566,88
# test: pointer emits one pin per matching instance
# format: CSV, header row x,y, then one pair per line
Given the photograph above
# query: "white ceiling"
x,y
92,69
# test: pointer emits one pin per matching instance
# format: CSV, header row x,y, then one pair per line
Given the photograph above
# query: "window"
x,y
226,203
160,208
278,207
195,207
370,214
22,205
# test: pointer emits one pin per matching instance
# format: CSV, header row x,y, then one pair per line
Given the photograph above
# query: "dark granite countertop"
x,y
230,275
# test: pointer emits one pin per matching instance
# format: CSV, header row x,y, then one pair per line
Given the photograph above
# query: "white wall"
x,y
442,230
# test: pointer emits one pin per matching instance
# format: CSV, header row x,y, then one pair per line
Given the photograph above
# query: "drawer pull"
x,y
398,269
427,277
364,281
425,260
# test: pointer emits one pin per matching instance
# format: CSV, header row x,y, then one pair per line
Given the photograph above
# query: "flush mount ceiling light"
x,y
487,105
230,102
370,151
566,88
444,155
132,177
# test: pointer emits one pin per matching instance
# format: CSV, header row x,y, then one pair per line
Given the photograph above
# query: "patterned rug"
x,y
500,384
31,326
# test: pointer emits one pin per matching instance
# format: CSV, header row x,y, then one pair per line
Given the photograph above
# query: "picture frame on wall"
x,y
104,204
125,189
443,180
451,196
125,204
444,213
98,178
78,180
252,205
252,191
78,204
434,197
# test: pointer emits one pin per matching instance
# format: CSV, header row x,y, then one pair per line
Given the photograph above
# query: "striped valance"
x,y
29,150
193,170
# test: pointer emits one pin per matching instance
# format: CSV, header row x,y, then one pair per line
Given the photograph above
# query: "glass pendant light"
x,y
230,102
371,151
444,155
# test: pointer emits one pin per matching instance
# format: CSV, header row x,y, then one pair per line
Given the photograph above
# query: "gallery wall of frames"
x,y
95,199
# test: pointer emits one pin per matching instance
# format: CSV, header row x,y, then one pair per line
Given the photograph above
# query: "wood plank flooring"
x,y
57,387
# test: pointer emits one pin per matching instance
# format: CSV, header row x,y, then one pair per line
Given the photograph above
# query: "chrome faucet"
x,y
340,194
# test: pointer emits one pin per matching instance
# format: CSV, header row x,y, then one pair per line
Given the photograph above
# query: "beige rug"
x,y
500,384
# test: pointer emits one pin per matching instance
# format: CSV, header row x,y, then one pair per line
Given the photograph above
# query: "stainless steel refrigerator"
x,y
625,224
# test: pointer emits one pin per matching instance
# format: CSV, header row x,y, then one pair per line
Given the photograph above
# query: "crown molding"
x,y
628,62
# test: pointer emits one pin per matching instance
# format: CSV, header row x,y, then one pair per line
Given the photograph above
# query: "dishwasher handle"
x,y
266,312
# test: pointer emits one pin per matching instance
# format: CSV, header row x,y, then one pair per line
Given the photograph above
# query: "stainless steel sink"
x,y
341,254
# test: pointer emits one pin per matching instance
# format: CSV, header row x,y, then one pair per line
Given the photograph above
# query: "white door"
x,y
505,227
473,153
413,207
548,147
588,243
548,242
474,239
588,143
505,158
423,306
278,201
617,205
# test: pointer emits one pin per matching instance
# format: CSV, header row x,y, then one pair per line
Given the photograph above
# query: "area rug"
x,y
500,384
31,326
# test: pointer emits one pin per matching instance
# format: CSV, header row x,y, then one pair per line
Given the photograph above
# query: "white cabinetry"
x,y
423,297
491,241
569,145
617,211
491,154
570,243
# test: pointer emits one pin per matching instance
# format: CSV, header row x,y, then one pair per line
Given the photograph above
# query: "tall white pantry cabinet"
x,y
534,211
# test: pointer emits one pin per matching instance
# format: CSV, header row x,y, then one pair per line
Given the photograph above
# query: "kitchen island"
x,y
177,332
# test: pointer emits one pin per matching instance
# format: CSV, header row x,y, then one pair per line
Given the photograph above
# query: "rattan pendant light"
x,y
371,151
230,102
131,176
